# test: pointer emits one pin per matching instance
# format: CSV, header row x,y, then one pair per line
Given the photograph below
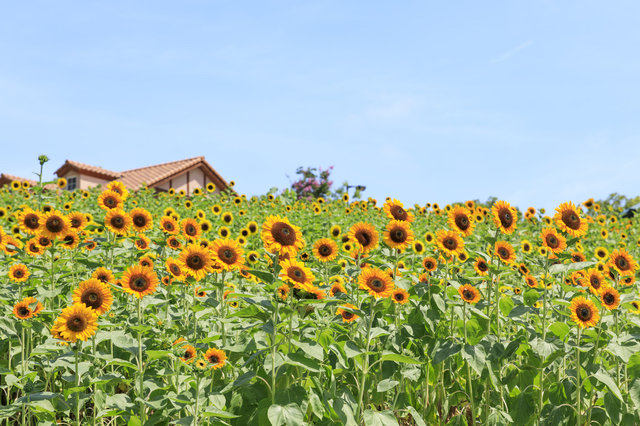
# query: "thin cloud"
x,y
510,53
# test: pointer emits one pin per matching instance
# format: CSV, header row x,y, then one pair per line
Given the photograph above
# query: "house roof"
x,y
6,179
87,170
161,173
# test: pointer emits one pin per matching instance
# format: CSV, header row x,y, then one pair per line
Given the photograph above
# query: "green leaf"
x,y
351,349
264,276
475,356
311,348
530,297
439,301
300,360
634,393
603,377
214,412
289,415
447,349
475,332
560,268
506,305
522,408
417,418
380,418
388,356
560,329
613,407
386,384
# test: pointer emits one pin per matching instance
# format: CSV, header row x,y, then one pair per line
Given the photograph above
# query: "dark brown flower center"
x,y
226,218
428,264
297,274
583,313
195,261
23,311
54,224
92,298
505,216
622,263
552,241
364,237
69,240
32,221
117,222
187,354
504,253
609,299
191,230
283,234
398,235
462,222
110,201
213,359
467,294
526,247
398,213
347,315
77,323
376,284
175,269
140,283
482,265
571,219
140,220
450,243
399,297
228,255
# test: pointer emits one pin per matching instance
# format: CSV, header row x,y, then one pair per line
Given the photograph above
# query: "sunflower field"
x,y
145,308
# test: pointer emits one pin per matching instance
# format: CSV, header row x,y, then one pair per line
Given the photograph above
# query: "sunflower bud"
x,y
43,159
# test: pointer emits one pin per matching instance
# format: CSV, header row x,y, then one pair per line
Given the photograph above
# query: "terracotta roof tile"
x,y
153,174
88,168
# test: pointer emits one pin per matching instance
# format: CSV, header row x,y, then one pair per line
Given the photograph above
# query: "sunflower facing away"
x,y
584,312
139,281
95,294
196,261
227,253
377,282
398,235
77,322
568,219
505,217
280,236
461,221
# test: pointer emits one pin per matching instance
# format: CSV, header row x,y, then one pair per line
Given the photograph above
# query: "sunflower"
x,y
325,250
526,246
191,228
70,241
139,281
117,221
601,253
577,257
481,266
196,261
252,227
398,235
505,217
16,185
119,188
227,218
394,210
567,218
141,219
553,241
347,316
215,357
30,221
110,200
377,282
18,273
169,225
104,275
584,312
33,248
430,264
27,308
429,237
77,322
95,294
78,220
227,254
189,354
505,252
628,280
400,296
461,221
636,307
216,209
313,293
146,261
594,280
610,298
280,236
296,273
174,268
336,288
56,225
469,293
418,247
449,242
623,262
174,243
522,268
142,242
62,183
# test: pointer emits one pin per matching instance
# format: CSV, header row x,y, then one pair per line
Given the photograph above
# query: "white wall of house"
x,y
196,180
87,182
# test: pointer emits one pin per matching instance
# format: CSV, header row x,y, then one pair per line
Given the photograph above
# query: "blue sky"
x,y
533,102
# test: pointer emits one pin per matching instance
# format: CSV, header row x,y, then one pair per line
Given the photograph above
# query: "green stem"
x,y
274,337
471,398
77,350
365,361
140,363
579,378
